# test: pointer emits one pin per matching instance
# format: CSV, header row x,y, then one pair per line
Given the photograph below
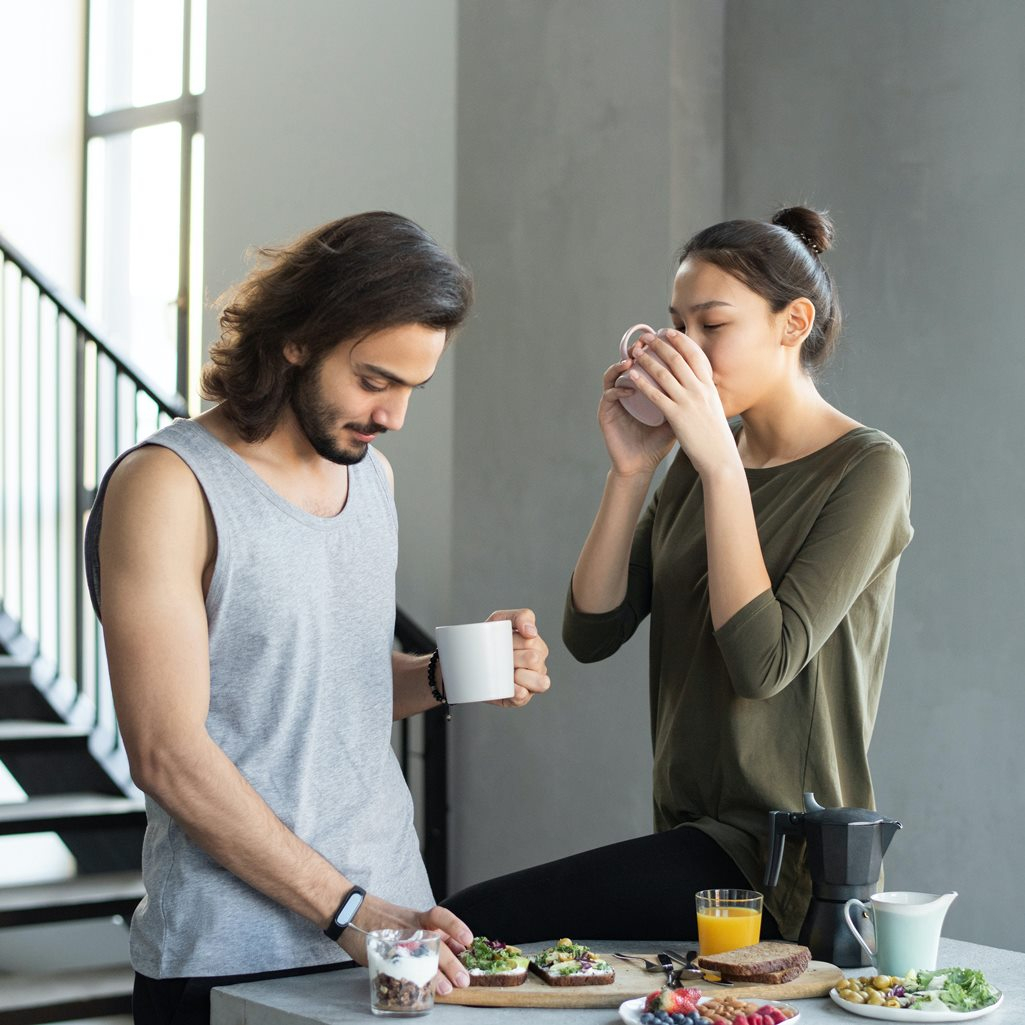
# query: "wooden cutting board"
x,y
632,981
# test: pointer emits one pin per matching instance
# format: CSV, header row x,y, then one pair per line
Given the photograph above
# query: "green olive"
x,y
875,998
892,1002
854,996
881,982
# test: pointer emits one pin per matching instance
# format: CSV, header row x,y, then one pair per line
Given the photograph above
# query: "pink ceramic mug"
x,y
639,406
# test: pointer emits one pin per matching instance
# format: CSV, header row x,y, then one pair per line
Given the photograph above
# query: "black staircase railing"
x,y
69,405
425,739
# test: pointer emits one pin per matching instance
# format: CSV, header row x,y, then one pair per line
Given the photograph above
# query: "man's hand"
x,y
530,671
379,914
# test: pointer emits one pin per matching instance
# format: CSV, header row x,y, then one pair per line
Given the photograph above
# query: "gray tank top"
x,y
301,614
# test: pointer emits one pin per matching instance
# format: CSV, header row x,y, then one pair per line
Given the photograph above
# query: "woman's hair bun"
x,y
813,227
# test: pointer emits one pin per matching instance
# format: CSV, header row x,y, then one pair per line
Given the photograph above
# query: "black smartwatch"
x,y
346,912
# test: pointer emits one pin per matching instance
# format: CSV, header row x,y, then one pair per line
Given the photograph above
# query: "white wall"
x,y
41,112
318,110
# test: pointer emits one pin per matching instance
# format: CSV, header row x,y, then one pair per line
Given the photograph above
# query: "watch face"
x,y
349,908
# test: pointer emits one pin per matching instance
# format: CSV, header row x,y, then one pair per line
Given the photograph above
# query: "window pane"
x,y
196,297
135,53
133,227
197,49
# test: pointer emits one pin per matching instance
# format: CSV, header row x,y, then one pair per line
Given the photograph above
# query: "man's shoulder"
x,y
385,467
153,480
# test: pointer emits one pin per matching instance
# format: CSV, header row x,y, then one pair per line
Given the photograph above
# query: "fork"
x,y
649,966
690,966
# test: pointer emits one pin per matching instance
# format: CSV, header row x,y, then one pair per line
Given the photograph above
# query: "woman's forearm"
x,y
600,576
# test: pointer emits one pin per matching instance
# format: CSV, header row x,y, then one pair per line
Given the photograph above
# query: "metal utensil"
x,y
667,966
689,966
649,966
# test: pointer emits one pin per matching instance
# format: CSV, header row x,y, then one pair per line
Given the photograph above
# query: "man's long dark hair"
x,y
338,282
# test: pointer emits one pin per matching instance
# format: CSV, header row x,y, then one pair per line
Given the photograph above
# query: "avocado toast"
x,y
493,963
571,964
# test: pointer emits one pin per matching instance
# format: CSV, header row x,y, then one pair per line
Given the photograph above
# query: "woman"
x,y
767,562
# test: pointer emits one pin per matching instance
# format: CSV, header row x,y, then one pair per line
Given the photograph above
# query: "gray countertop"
x,y
336,997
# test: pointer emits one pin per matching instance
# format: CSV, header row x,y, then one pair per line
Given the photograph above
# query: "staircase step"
x,y
71,812
35,999
15,670
12,640
92,896
25,686
21,737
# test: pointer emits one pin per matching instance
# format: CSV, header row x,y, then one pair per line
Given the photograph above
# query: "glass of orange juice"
x,y
727,919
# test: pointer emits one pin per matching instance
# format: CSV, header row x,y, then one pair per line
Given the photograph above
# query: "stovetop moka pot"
x,y
844,855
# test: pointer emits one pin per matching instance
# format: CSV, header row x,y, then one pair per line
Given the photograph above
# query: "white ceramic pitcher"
x,y
907,928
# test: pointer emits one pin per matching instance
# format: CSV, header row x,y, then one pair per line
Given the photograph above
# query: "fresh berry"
x,y
741,1019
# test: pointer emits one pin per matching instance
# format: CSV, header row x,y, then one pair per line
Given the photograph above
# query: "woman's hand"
x,y
687,397
634,448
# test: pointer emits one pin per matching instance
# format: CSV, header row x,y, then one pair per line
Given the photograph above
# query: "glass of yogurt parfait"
x,y
402,965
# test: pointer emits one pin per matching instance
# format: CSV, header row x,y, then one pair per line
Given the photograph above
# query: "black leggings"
x,y
634,890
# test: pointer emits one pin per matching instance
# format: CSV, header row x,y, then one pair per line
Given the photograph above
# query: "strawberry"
x,y
773,1015
673,1001
741,1019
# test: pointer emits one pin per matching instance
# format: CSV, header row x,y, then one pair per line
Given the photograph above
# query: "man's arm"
x,y
412,693
156,542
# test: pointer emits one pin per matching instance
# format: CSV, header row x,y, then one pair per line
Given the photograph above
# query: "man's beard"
x,y
316,420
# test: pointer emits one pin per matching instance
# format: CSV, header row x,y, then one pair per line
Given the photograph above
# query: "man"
x,y
248,560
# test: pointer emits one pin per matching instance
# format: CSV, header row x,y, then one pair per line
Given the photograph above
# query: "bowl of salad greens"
x,y
945,994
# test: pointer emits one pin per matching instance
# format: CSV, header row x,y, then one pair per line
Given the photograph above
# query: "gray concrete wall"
x,y
319,110
584,136
906,120
581,143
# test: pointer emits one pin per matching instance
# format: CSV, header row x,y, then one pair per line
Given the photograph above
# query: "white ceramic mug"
x,y
476,661
907,927
639,406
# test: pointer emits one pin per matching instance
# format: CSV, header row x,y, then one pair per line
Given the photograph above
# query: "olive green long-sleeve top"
x,y
782,698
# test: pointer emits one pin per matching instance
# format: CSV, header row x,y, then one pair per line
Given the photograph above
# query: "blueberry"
x,y
647,1018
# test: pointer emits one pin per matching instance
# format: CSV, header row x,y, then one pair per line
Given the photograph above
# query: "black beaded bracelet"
x,y
432,682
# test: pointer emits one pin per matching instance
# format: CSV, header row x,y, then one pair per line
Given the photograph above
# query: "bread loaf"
x,y
769,978
759,962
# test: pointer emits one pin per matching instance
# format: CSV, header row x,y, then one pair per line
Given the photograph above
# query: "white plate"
x,y
631,1010
909,1014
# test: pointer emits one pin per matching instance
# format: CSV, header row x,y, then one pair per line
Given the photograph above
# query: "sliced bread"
x,y
515,977
769,978
592,977
760,959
